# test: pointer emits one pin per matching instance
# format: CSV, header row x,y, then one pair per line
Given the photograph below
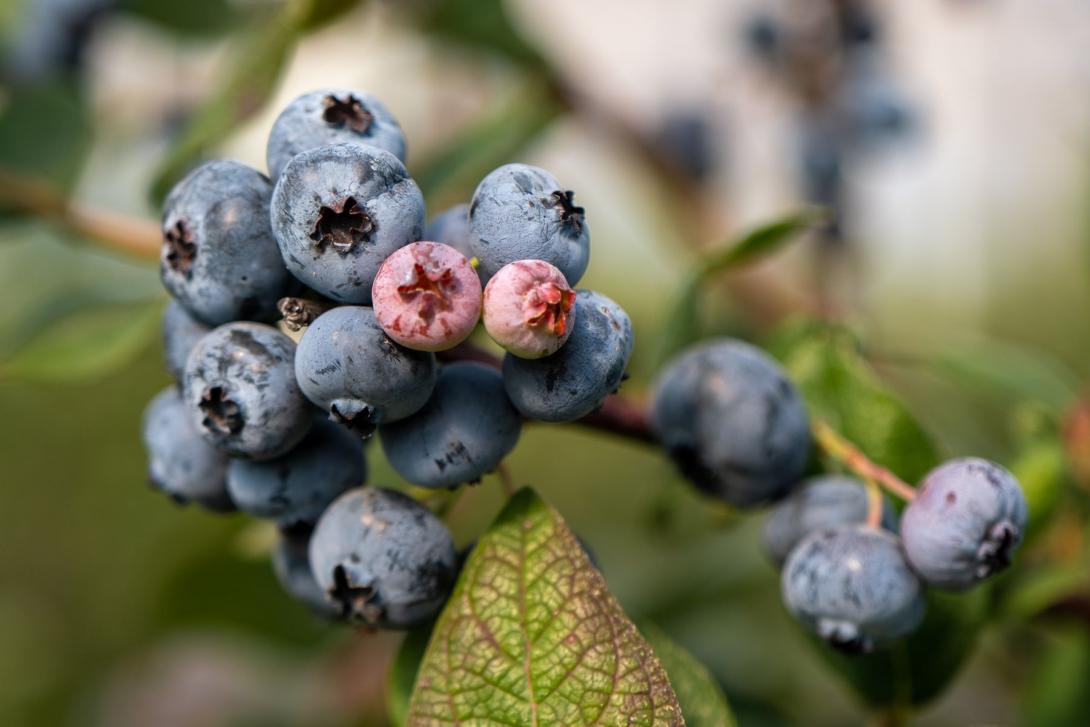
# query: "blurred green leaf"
x,y
191,17
45,134
684,323
85,345
917,669
479,24
453,172
1040,588
1041,468
702,701
1056,695
991,366
402,676
530,628
246,86
840,387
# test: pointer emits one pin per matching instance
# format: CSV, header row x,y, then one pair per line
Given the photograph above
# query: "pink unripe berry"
x,y
427,296
529,308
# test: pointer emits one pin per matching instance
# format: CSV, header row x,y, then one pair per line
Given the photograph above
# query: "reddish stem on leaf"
x,y
843,451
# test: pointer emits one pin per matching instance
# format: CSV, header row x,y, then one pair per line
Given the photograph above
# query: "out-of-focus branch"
x,y
135,237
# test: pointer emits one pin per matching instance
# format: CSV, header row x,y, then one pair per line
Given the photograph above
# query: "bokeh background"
x,y
948,139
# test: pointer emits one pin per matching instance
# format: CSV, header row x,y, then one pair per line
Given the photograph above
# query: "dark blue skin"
x,y
338,212
967,520
520,212
241,393
732,422
332,116
219,258
180,462
465,430
383,558
346,365
181,332
294,489
291,564
575,380
818,503
852,587
451,227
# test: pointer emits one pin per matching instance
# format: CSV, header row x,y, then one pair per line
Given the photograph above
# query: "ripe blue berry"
x,y
733,423
575,380
816,504
965,523
465,430
240,389
383,558
452,228
218,258
291,564
180,462
332,116
294,489
338,212
348,366
181,332
520,212
852,587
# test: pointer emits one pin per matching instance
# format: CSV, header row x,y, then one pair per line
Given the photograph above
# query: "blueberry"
x,y
338,212
520,212
291,564
575,380
240,388
294,489
427,296
965,523
180,462
528,308
465,430
732,422
332,116
383,558
348,366
452,228
181,332
218,258
818,503
852,586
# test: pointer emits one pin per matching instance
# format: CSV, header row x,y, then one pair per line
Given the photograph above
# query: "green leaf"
x,y
247,84
840,387
192,17
1057,695
402,676
85,345
1041,469
683,324
702,701
45,134
532,635
988,366
1039,589
481,24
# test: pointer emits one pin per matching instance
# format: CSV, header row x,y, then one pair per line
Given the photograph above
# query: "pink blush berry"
x,y
427,296
528,308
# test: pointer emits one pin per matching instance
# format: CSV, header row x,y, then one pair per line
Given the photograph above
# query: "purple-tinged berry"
x,y
451,227
529,308
427,296
181,332
291,564
965,523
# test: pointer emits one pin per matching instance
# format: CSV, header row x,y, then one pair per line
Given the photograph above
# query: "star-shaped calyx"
x,y
548,305
342,226
180,248
347,113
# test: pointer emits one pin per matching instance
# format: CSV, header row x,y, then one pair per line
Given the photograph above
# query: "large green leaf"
x,y
247,84
1057,695
684,323
192,17
45,134
840,387
702,701
86,344
532,635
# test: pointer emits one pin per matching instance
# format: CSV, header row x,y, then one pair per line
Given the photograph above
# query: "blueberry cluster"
x,y
738,429
274,424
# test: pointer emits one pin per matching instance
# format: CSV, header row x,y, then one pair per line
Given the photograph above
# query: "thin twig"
x,y
874,504
840,449
507,484
136,237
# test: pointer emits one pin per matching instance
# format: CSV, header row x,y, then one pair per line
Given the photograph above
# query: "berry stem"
x,y
507,484
136,237
874,504
843,451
